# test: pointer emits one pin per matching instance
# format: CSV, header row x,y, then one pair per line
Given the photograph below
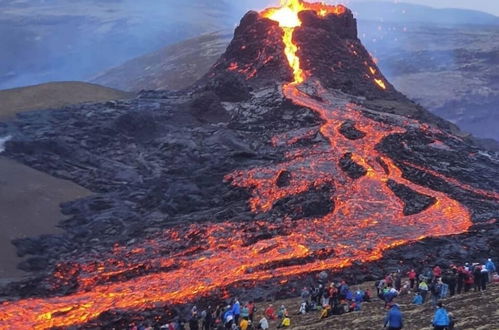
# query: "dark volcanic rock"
x,y
414,202
256,53
208,107
330,50
351,168
314,203
349,130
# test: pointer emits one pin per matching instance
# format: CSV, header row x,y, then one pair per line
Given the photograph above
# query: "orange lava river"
x,y
367,219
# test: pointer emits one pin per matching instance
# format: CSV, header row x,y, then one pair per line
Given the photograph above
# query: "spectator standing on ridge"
x,y
251,310
423,289
264,324
461,277
477,276
236,311
394,319
412,277
441,318
270,313
491,268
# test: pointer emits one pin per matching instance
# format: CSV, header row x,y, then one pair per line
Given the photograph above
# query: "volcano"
x,y
293,155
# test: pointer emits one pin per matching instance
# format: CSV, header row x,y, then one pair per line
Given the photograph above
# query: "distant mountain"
x,y
400,12
72,40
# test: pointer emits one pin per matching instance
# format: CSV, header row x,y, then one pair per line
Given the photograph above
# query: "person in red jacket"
x,y
468,281
270,313
437,272
412,277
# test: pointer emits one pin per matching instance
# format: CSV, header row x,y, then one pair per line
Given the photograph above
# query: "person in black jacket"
x,y
477,277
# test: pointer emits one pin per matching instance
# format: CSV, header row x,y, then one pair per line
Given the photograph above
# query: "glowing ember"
x,y
380,83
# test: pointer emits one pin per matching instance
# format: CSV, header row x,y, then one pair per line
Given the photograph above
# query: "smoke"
x,y
71,40
3,140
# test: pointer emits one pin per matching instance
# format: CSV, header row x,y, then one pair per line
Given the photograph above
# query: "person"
x,y
325,311
412,277
468,281
484,278
435,289
423,289
437,272
303,308
251,310
491,268
461,276
418,299
264,324
394,318
244,324
441,318
207,319
359,298
245,312
228,318
389,295
367,295
398,281
193,323
305,294
380,285
286,322
281,312
270,313
449,278
236,311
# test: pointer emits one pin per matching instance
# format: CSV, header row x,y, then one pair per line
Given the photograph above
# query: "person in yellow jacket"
x,y
244,324
286,322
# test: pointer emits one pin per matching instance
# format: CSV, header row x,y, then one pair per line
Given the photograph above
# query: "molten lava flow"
x,y
287,17
187,262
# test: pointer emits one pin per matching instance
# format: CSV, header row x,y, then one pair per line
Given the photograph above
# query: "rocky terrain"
x,y
247,180
473,310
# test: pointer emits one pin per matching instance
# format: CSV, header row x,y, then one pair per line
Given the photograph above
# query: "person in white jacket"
x,y
264,324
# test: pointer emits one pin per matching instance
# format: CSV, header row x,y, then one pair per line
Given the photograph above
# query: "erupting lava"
x,y
287,17
366,220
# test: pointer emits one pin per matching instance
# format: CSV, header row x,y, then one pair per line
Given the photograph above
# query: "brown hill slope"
x,y
54,95
29,201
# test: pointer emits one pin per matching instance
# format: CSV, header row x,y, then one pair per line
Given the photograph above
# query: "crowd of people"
x,y
335,298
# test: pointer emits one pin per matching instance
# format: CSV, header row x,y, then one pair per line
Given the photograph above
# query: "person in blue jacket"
x,y
418,299
394,318
236,311
491,268
441,318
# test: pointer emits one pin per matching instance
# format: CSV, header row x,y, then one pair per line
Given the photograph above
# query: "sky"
x,y
489,6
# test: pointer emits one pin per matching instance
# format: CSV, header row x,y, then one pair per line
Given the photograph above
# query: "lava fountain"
x,y
368,217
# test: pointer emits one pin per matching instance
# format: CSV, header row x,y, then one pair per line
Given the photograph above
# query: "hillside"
x,y
54,95
472,311
29,201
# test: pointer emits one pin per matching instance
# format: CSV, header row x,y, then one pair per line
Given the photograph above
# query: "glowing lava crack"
x,y
367,218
